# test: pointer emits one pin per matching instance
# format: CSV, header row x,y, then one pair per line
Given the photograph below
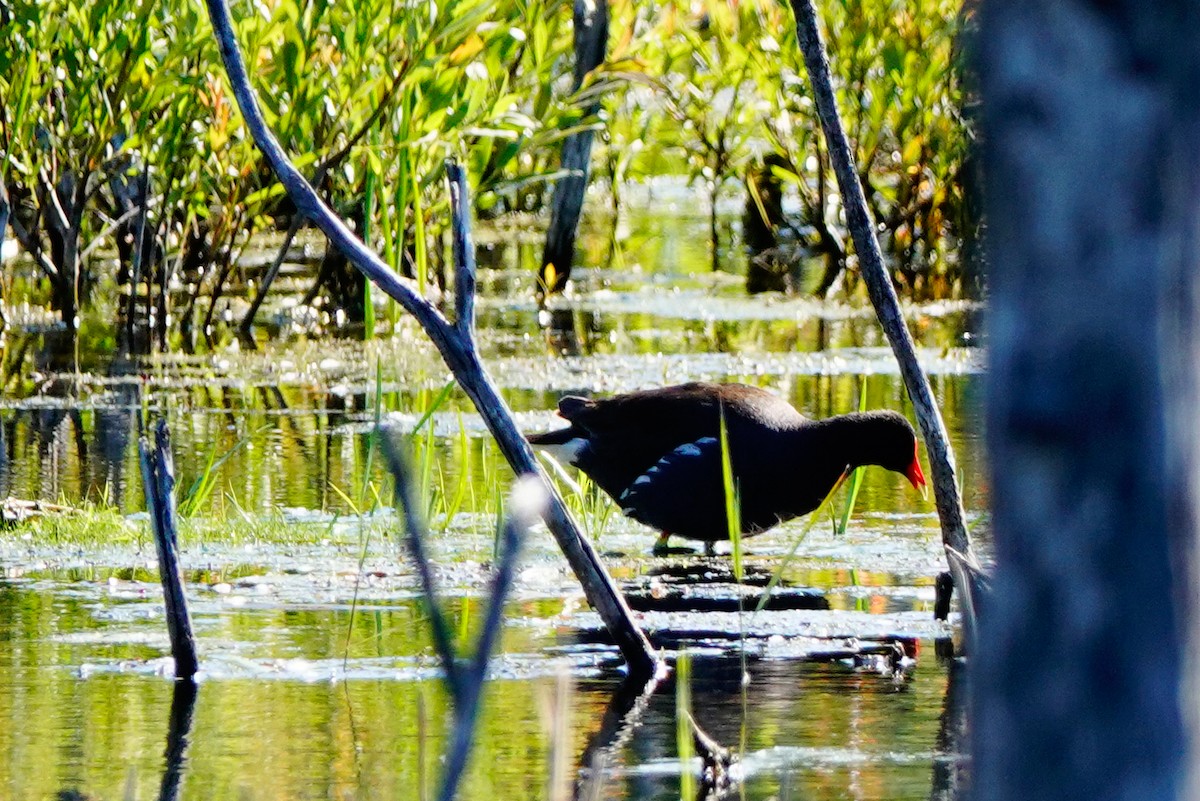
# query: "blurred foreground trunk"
x,y
1085,664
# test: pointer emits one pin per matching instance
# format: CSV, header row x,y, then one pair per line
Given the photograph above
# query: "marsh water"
x,y
319,680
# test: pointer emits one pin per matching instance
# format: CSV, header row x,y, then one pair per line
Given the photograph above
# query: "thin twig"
x,y
465,684
139,248
524,507
265,285
33,246
111,225
526,504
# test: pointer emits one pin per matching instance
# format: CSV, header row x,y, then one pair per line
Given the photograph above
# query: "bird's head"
x,y
887,439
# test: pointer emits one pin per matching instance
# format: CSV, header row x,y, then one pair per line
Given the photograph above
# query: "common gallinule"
x,y
658,454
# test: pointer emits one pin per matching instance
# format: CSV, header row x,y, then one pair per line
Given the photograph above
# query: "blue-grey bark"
x,y
158,479
1091,120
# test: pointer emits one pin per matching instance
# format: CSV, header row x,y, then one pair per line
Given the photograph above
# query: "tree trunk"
x,y
1090,124
591,42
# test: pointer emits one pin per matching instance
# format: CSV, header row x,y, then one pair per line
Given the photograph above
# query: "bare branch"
x,y
158,475
460,355
307,201
879,285
464,251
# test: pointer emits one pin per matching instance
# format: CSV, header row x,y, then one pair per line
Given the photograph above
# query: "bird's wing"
x,y
682,493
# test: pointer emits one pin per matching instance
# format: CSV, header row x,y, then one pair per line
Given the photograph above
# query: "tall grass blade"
x,y
733,507
419,244
856,476
683,725
203,486
561,473
812,518
368,213
433,407
373,436
733,517
463,455
364,533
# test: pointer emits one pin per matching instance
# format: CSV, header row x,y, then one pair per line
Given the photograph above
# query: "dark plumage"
x,y
658,454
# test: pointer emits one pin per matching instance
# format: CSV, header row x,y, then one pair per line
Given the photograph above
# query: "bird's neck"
x,y
844,442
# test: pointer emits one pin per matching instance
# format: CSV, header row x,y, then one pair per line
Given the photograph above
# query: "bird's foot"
x,y
662,547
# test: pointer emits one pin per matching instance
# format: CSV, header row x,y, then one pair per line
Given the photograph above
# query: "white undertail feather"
x,y
567,452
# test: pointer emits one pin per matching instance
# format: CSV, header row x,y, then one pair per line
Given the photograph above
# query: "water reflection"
x,y
950,767
810,732
306,700
179,728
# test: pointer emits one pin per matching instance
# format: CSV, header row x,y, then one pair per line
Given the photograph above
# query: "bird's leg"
x,y
710,549
662,545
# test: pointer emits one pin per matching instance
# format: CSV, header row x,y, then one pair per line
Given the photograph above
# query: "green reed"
x,y
683,724
856,475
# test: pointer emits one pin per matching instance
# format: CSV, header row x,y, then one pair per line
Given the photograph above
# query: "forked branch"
x,y
454,343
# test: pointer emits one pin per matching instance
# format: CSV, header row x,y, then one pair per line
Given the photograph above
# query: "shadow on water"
x,y
621,717
803,726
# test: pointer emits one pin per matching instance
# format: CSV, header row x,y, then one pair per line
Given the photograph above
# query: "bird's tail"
x,y
559,436
563,444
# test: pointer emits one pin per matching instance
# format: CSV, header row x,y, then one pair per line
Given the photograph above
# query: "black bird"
x,y
658,454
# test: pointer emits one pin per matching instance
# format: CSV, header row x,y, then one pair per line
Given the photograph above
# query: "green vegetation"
x,y
94,525
371,97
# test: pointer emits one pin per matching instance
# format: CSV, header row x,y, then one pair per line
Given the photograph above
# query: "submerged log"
x,y
687,599
15,510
